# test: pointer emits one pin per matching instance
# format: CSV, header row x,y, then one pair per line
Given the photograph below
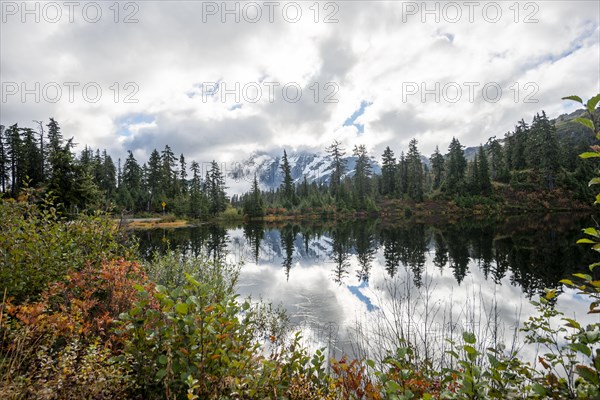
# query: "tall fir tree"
x,y
415,172
155,180
456,167
549,151
338,166
362,175
169,174
497,162
287,185
32,158
197,204
182,174
388,172
130,191
253,204
215,188
437,168
3,161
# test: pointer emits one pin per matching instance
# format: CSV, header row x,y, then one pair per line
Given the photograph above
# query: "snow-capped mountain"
x,y
315,167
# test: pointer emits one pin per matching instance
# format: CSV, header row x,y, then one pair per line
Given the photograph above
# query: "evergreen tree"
x,y
131,188
497,165
14,154
485,185
415,172
437,167
215,188
253,204
388,172
32,158
304,189
42,151
509,141
109,175
3,161
54,149
549,152
182,174
169,174
197,198
155,180
119,173
338,165
287,245
473,180
287,186
402,175
519,146
456,167
362,174
72,185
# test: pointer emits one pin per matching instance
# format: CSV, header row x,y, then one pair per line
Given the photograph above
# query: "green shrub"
x,y
39,245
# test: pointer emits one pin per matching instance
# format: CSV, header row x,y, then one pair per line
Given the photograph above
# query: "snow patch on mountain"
x,y
267,168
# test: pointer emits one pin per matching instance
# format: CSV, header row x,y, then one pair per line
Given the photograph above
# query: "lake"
x,y
362,287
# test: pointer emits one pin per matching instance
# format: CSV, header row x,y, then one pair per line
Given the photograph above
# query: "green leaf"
x,y
469,337
594,265
567,282
585,121
586,241
181,308
572,323
591,103
138,287
452,353
401,352
162,359
591,232
392,387
574,98
582,348
587,373
585,277
589,154
161,373
493,361
470,349
594,181
160,288
539,389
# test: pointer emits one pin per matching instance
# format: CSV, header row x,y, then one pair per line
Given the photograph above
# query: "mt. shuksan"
x,y
316,167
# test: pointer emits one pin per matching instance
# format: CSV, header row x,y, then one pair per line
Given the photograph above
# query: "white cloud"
x,y
371,54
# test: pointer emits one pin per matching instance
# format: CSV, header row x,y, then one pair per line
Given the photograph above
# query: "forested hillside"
x,y
537,156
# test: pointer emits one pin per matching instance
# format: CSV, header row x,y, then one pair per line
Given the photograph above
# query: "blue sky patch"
x,y
361,110
133,119
355,290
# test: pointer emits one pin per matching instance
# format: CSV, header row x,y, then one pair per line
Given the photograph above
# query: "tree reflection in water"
x,y
535,253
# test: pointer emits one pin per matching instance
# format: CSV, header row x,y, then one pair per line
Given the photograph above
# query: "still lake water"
x,y
357,288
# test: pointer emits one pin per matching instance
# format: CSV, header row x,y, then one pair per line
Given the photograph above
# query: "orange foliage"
x,y
352,381
87,304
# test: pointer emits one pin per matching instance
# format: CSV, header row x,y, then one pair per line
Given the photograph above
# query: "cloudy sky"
x,y
220,80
